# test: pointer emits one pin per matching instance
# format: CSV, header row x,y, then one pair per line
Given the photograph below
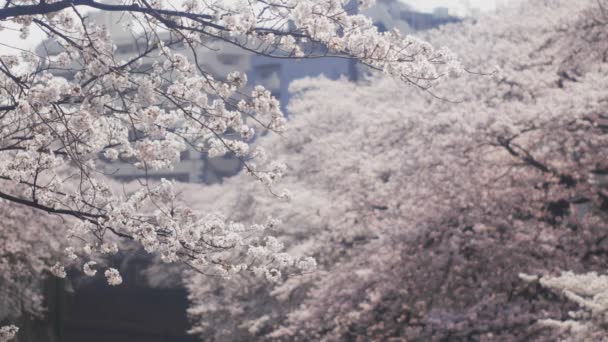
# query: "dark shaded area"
x,y
99,313
89,310
131,312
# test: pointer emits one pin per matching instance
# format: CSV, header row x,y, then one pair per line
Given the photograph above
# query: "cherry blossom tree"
x,y
421,213
55,129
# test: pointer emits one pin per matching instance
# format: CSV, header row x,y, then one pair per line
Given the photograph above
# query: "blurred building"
x,y
441,13
386,15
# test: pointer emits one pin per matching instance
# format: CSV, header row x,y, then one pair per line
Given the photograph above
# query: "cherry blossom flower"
x,y
113,277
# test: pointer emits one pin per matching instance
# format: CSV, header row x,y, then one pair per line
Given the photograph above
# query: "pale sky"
x,y
457,7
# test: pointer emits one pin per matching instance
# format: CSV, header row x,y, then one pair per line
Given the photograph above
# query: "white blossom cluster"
x,y
88,269
8,332
590,292
58,271
328,23
155,218
113,276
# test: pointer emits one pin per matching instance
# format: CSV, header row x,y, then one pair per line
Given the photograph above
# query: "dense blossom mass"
x,y
56,131
439,221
